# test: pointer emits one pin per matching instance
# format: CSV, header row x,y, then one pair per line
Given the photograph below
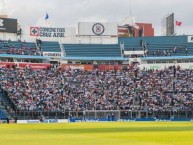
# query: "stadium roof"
x,y
24,56
95,58
167,58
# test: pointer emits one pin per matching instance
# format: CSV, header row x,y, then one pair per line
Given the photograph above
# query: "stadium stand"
x,y
18,48
2,108
2,115
92,50
160,45
57,90
48,46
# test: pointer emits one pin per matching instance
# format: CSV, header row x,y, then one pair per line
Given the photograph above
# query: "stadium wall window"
x,y
187,61
108,62
170,62
83,62
180,61
150,62
112,62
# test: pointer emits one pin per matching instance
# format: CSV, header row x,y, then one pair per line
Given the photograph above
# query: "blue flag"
x,y
47,16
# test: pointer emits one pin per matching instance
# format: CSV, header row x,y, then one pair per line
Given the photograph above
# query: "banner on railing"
x,y
112,67
35,65
78,66
3,121
45,121
7,64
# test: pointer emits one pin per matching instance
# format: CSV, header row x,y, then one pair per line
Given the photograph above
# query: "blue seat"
x,y
48,46
2,115
92,50
159,43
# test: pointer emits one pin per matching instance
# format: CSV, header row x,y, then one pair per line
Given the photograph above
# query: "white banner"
x,y
133,52
164,65
53,54
22,121
45,121
97,29
62,120
51,32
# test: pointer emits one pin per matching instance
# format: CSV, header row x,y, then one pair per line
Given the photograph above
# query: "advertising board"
x,y
97,29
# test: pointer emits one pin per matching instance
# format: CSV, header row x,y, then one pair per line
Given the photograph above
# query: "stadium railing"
x,y
109,115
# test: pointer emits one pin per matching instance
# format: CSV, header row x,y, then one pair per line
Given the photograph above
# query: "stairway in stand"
x,y
6,106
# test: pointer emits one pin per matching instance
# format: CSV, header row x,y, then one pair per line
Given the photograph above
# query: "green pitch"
x,y
123,133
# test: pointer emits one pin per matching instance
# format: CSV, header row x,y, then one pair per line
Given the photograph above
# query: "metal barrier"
x,y
106,115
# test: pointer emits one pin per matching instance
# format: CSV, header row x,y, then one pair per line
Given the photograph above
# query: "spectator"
x,y
76,90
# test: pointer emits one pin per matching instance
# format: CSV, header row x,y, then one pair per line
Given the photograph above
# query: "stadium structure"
x,y
96,74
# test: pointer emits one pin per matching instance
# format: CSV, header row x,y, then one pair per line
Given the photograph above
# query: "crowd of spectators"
x,y
8,47
164,51
169,52
57,89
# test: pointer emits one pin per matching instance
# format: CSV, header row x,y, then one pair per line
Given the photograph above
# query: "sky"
x,y
67,13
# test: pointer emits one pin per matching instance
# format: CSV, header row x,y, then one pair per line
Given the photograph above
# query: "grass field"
x,y
121,133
